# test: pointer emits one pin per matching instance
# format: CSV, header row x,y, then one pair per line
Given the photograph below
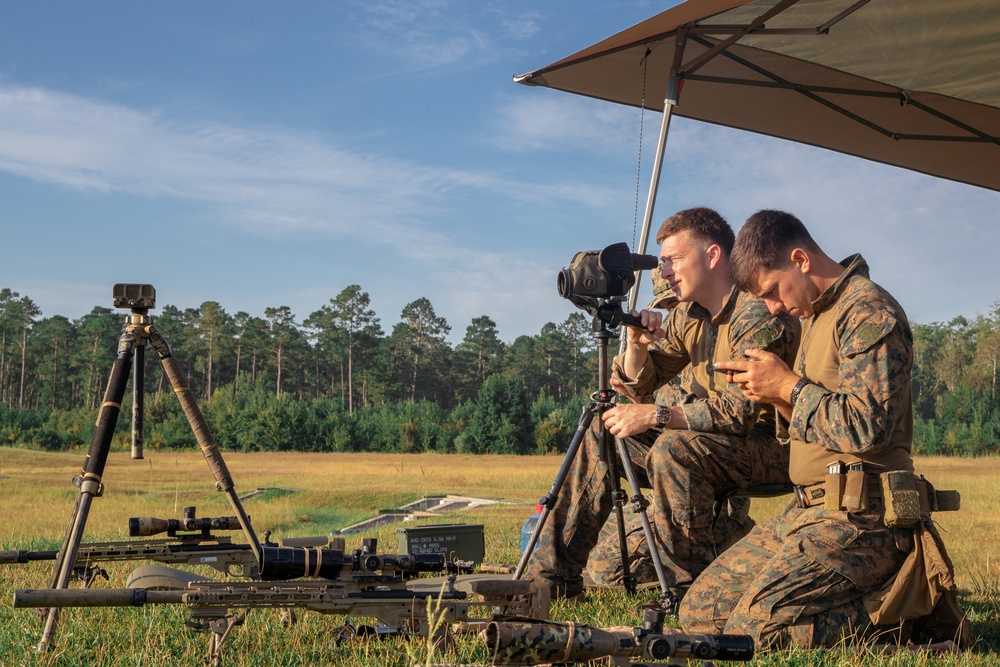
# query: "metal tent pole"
x,y
670,100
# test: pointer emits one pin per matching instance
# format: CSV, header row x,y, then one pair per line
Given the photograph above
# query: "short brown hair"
x,y
764,244
703,223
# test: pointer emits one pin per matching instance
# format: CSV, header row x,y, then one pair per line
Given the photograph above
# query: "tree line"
x,y
336,381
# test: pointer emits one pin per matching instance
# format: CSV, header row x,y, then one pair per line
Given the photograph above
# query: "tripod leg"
x,y
548,501
605,400
639,503
618,496
224,480
89,481
138,383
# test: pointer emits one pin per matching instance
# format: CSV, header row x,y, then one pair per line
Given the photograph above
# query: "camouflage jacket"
x,y
857,353
695,340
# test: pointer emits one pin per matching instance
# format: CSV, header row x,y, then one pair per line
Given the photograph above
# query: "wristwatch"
x,y
796,390
662,416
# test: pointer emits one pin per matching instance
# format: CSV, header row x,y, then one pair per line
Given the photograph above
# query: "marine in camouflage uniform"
x,y
799,579
604,565
729,444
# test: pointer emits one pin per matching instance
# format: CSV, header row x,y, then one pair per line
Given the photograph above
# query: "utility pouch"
x,y
855,489
947,501
833,486
902,501
932,500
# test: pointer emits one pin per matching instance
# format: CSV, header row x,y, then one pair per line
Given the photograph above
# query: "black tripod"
x,y
139,331
605,312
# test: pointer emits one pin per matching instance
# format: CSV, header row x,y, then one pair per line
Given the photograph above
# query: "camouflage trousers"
x,y
798,579
604,566
686,470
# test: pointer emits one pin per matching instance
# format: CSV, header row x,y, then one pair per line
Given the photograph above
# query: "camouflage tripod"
x,y
603,400
139,331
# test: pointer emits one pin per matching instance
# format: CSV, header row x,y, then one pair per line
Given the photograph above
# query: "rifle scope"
x,y
150,525
282,563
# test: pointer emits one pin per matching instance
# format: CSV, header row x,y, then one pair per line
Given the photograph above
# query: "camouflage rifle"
x,y
520,641
396,603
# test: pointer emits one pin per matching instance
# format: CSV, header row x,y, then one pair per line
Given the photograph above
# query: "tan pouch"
x,y
855,491
902,502
833,486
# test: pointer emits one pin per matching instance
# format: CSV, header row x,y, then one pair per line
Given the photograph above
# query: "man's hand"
x,y
651,331
765,378
625,420
619,386
638,340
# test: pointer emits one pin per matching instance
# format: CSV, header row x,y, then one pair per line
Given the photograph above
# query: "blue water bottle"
x,y
528,529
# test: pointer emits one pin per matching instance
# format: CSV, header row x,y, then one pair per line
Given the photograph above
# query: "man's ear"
x,y
800,258
714,254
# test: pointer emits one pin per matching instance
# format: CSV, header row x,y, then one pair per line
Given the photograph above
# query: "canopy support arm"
x,y
810,92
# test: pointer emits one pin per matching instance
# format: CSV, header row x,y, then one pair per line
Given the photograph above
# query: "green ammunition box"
x,y
457,541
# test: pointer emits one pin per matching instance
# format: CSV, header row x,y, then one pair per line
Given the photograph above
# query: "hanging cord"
x,y
638,161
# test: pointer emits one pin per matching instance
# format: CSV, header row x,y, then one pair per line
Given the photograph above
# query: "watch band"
x,y
796,390
662,416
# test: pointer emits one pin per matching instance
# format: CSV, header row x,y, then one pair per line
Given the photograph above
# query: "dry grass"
x,y
324,492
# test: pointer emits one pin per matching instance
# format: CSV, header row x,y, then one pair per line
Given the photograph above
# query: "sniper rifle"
x,y
293,558
399,608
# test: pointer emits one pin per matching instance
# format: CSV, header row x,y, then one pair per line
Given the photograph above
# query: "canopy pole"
x,y
670,100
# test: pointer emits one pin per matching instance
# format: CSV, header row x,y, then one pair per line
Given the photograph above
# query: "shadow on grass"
x,y
982,604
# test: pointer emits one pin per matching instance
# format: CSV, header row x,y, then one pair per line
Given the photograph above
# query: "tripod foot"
x,y
671,601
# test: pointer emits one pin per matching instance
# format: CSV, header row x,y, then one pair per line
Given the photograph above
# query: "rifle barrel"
x,y
23,556
94,597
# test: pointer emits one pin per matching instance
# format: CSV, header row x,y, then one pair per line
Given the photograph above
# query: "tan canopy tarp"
x,y
912,83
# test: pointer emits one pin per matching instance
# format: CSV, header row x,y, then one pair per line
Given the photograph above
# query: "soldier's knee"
x,y
605,572
677,449
697,613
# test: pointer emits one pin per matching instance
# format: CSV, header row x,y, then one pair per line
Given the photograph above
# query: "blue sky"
x,y
270,154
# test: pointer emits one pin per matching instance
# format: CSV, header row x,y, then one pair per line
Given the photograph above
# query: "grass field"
x,y
314,494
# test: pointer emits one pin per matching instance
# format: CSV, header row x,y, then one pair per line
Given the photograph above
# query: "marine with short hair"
x,y
812,576
688,453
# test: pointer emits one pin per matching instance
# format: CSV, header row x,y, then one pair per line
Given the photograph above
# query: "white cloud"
x,y
270,180
543,119
435,34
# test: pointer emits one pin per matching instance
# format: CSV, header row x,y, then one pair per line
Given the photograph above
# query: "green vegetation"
x,y
334,382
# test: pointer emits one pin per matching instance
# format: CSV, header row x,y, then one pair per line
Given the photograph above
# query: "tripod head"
x,y
609,310
139,298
